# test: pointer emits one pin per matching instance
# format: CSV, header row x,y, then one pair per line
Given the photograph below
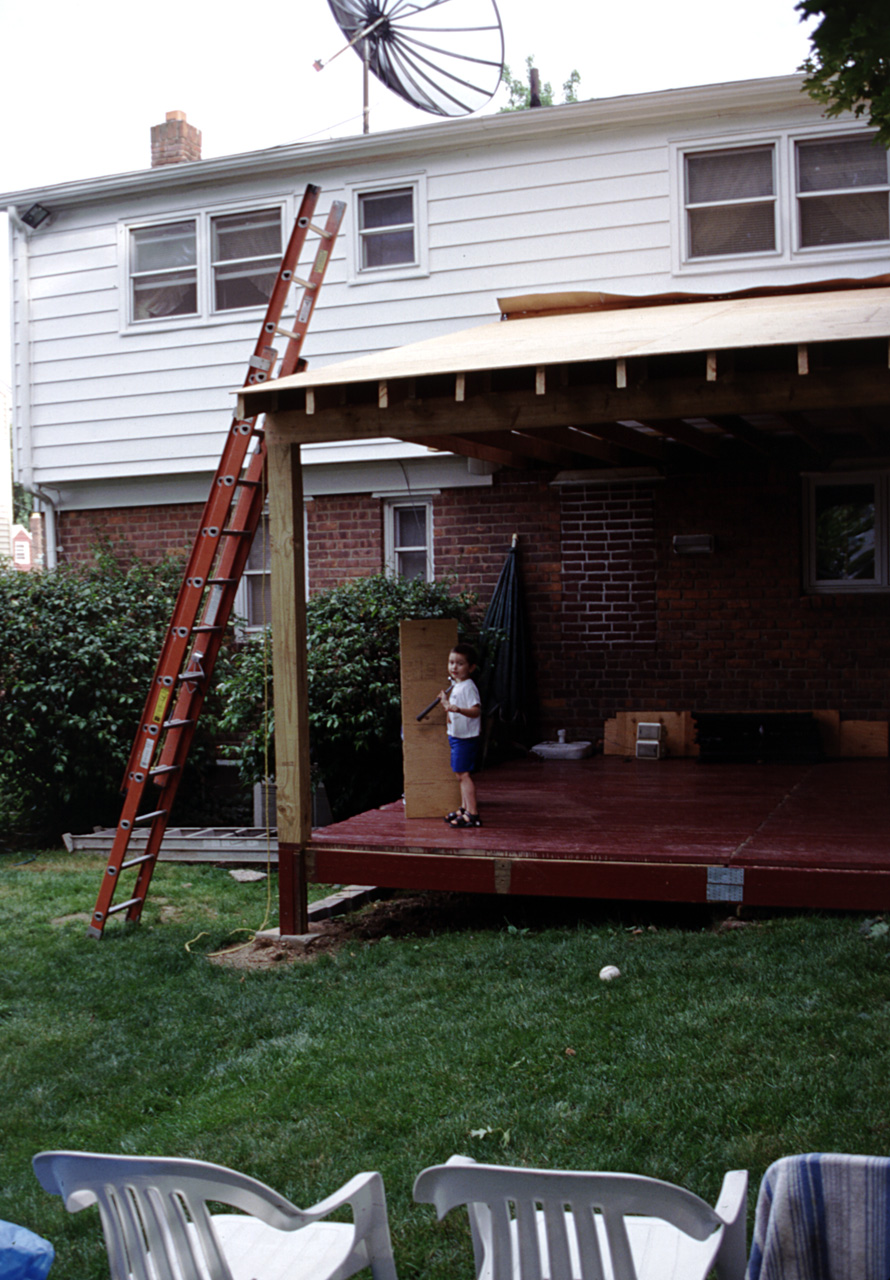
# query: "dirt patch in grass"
x,y
425,914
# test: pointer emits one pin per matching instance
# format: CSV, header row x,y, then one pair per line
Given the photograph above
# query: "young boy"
x,y
463,726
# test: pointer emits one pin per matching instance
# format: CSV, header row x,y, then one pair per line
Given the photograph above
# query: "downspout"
x,y
21,381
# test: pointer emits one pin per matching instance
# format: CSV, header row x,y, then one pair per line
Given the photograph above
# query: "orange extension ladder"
x,y
204,604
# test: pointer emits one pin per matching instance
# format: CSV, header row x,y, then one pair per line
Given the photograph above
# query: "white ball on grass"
x,y
609,971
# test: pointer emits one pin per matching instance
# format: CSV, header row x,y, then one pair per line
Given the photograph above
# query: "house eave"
x,y
312,157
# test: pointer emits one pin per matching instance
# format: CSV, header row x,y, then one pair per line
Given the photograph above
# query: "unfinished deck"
x,y
807,835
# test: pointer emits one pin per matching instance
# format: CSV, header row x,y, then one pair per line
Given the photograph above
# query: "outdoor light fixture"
x,y
34,216
693,544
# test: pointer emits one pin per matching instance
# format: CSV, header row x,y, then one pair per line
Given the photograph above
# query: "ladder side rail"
x,y
231,563
190,594
177,743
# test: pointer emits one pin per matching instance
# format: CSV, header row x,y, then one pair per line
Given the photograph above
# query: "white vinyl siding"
x,y
575,207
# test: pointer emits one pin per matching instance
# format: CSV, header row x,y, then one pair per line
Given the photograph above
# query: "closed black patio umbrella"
x,y
506,673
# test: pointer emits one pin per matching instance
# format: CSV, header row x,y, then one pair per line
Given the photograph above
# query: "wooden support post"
x,y
294,793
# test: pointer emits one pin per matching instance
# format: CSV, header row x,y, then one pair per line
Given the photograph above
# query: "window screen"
x,y
163,270
386,228
842,191
246,253
730,202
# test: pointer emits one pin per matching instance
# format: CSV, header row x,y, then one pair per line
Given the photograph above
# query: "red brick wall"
x,y
617,620
734,630
147,532
345,539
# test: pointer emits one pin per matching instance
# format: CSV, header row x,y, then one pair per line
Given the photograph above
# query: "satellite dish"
x,y
443,56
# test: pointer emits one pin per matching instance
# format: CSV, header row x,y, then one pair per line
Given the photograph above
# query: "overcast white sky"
x,y
82,84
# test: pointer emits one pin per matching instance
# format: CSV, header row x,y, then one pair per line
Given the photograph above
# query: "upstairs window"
x,y
164,270
200,266
842,191
245,253
386,228
730,200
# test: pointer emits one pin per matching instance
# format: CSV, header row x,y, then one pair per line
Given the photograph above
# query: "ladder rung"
x,y
163,768
220,582
288,333
191,677
122,906
176,724
134,862
236,533
305,284
149,817
206,626
250,484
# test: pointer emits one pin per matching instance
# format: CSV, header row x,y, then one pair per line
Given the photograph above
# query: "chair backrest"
x,y
554,1211
151,1205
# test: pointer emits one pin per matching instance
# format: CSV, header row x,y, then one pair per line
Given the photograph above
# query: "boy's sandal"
x,y
466,820
450,817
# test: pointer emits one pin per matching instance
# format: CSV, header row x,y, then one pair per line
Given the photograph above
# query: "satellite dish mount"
x,y
443,56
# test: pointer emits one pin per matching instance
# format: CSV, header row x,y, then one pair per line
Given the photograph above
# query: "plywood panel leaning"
x,y
431,789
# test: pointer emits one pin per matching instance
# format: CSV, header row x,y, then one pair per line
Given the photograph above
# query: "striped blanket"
x,y
823,1217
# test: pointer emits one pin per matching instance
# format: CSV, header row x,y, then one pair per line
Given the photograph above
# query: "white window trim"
x,y
880,585
807,251
358,275
788,250
245,630
389,530
201,216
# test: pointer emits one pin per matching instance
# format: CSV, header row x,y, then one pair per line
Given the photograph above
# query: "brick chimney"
x,y
174,141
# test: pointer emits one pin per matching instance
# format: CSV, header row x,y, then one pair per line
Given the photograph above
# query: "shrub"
x,y
354,695
79,651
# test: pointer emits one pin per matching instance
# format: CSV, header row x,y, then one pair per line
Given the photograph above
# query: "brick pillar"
x,y
174,141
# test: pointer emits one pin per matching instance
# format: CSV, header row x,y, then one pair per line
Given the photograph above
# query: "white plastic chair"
x,y
537,1224
158,1227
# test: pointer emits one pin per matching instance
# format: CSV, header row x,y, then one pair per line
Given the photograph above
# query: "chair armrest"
x,y
364,1192
733,1199
732,1206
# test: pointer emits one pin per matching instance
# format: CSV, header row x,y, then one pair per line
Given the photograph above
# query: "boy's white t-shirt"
x,y
464,694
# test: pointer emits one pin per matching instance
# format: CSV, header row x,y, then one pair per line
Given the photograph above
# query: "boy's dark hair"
x,y
466,651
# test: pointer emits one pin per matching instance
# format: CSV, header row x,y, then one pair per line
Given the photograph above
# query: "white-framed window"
x,y
847,532
777,199
201,266
408,537
843,193
253,599
388,229
245,254
730,201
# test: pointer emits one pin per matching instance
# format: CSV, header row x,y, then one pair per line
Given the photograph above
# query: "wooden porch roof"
x,y
800,376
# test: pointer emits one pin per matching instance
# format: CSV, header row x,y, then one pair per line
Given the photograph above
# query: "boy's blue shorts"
x,y
463,753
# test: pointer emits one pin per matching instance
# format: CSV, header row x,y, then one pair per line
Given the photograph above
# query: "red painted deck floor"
x,y
670,830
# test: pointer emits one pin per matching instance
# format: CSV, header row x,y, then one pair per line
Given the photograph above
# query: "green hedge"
x,y
78,654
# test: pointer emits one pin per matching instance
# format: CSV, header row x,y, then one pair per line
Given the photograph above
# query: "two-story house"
x,y
138,297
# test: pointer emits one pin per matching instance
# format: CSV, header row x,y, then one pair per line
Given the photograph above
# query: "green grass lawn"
x,y
716,1049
